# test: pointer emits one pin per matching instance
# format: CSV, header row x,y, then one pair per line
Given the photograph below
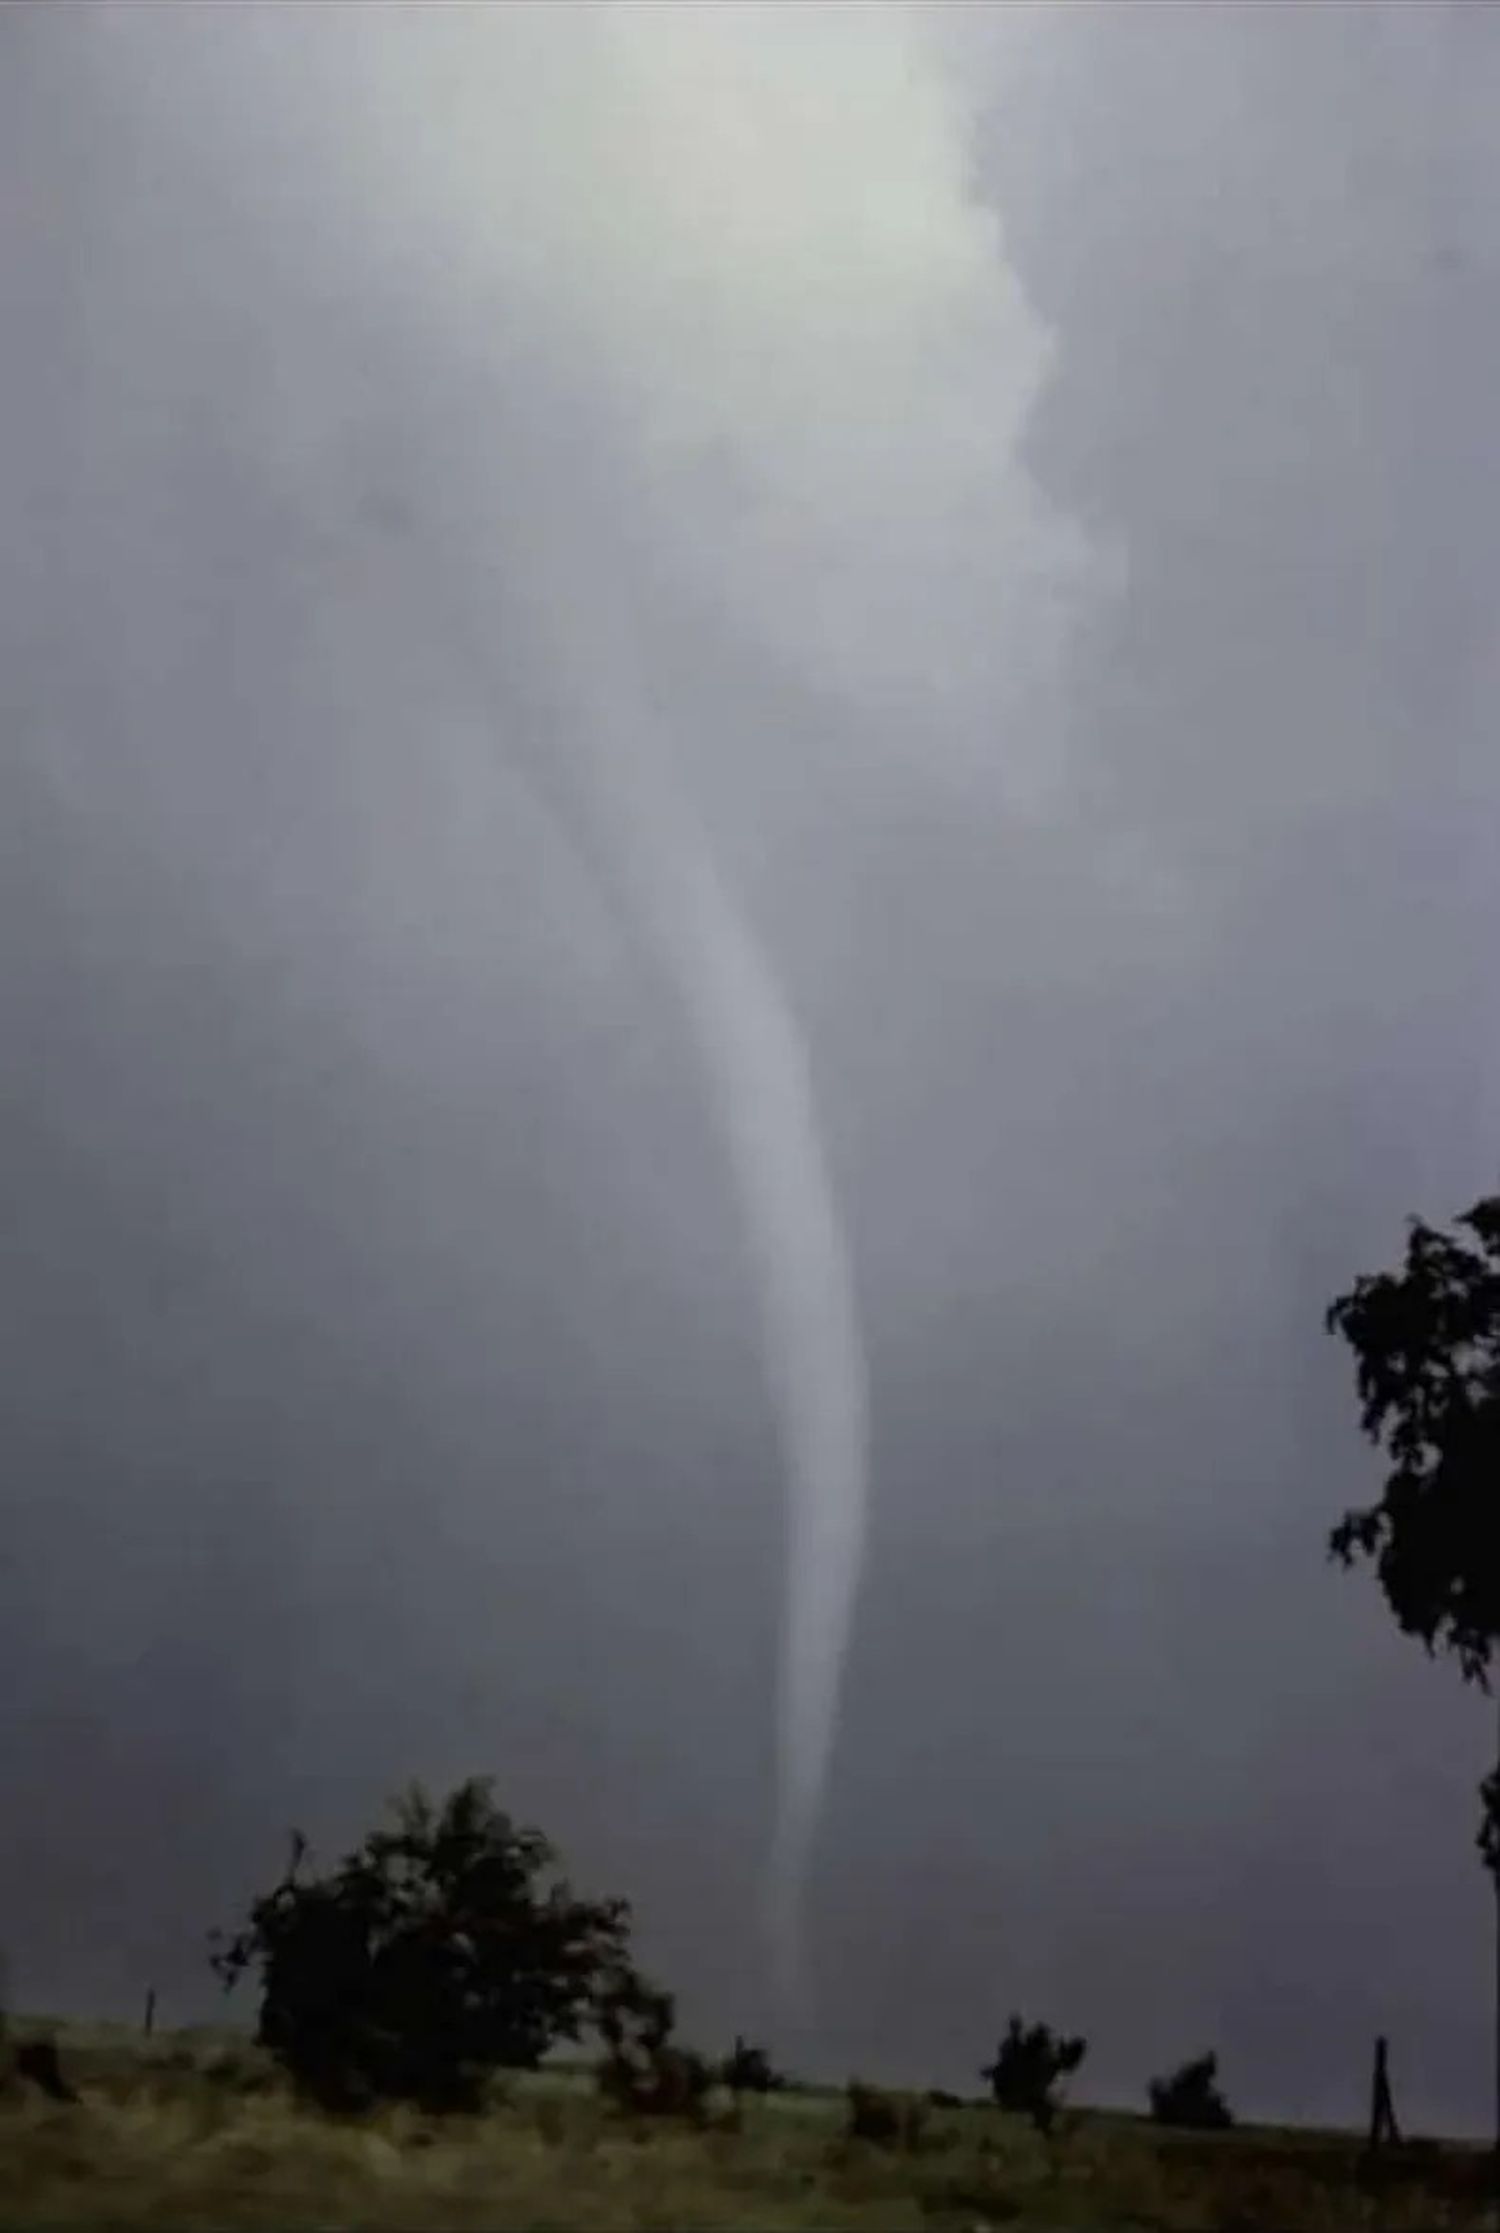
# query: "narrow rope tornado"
x,y
758,1074
611,793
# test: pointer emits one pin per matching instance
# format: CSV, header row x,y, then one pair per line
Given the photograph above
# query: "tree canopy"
x,y
1427,1345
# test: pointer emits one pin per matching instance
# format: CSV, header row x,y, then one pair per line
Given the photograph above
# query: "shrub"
x,y
445,1947
1028,2064
37,2061
749,2070
883,2119
1190,2098
643,2071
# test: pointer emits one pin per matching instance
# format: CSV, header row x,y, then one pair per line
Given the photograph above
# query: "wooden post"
x,y
149,2025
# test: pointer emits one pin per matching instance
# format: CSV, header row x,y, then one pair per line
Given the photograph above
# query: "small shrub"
x,y
873,2115
884,2120
643,2071
749,2070
36,2061
1190,2098
1029,2062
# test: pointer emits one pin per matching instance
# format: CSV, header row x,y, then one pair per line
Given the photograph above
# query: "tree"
x,y
1427,1344
443,1948
1191,2098
1028,2063
1427,1341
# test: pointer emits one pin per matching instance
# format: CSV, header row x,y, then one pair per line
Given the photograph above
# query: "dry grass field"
x,y
193,2130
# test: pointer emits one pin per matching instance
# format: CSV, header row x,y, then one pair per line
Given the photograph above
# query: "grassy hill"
x,y
192,2129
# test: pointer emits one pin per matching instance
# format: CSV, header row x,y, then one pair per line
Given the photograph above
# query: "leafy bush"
x,y
1028,2063
442,1949
1190,2097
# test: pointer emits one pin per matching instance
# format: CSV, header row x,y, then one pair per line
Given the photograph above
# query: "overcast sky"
x,y
1030,478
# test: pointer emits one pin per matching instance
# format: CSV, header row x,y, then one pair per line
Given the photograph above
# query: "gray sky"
x,y
1029,474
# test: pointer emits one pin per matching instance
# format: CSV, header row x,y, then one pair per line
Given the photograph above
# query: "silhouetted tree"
x,y
445,1947
1028,2064
749,2070
1427,1344
1191,2098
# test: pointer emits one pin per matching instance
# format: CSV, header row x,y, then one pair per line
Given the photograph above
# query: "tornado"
x,y
596,755
608,781
757,1073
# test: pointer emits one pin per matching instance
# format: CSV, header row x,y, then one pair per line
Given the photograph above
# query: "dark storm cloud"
x,y
381,1389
